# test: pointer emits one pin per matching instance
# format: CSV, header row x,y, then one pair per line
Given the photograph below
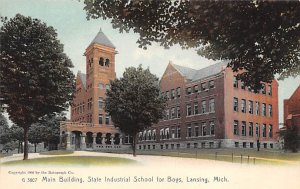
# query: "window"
x,y
178,111
167,114
173,132
235,127
107,86
243,128
263,89
153,134
257,130
188,110
195,88
203,129
257,108
270,90
172,94
173,113
178,92
101,61
203,106
101,86
189,91
196,130
250,129
211,107
167,95
167,133
264,130
235,104
270,131
107,62
100,102
244,144
178,132
211,84
243,106
243,85
235,82
270,110
251,144
196,111
212,128
100,119
107,120
264,113
203,86
162,134
236,144
250,106
189,131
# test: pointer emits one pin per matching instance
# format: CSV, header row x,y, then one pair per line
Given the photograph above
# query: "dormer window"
x,y
107,62
101,61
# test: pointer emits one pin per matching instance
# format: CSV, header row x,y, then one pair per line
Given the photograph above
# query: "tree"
x,y
259,37
133,102
4,130
35,73
17,135
36,134
291,138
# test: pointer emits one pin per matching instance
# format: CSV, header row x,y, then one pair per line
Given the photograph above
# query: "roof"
x,y
194,75
82,78
102,40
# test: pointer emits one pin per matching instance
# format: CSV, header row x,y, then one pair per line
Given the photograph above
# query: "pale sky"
x,y
76,33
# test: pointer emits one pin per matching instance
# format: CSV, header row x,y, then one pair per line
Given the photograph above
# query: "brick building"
x,y
210,108
292,110
90,126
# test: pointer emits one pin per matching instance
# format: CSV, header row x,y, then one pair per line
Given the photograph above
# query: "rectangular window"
x,y
243,128
270,110
195,88
107,120
211,107
235,104
196,110
178,132
242,85
173,113
257,130
263,89
178,111
203,129
264,111
203,86
167,95
270,90
172,94
250,106
178,92
100,118
235,82
212,128
189,90
257,108
167,114
264,130
235,127
270,131
162,134
203,106
250,129
196,130
100,102
188,110
243,106
173,134
211,84
189,131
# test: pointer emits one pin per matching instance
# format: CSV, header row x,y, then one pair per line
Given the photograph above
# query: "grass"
x,y
73,161
4,155
57,152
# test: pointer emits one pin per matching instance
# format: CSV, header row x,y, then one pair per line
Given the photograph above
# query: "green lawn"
x,y
74,161
57,152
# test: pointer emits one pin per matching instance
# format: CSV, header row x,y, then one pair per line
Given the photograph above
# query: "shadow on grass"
x,y
73,161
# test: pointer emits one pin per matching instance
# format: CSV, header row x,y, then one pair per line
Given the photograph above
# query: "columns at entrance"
x,y
83,144
103,138
94,139
69,137
121,139
112,139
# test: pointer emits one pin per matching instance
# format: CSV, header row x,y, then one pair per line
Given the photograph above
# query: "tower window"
x,y
101,61
107,62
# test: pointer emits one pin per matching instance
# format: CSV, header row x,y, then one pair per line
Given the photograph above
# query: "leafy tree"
x,y
17,135
261,37
35,73
291,138
4,130
36,134
133,102
10,146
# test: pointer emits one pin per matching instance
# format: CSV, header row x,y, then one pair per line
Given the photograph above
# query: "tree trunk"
x,y
26,129
19,146
134,146
34,147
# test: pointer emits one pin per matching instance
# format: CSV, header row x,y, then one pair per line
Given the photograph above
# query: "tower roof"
x,y
101,39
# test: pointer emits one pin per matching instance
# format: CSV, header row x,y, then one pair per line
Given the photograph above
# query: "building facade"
x,y
292,110
210,108
90,126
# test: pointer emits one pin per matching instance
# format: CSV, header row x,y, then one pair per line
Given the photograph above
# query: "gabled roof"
x,y
102,40
193,75
82,78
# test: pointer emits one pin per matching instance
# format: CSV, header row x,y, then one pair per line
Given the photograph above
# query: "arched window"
x,y
107,62
101,61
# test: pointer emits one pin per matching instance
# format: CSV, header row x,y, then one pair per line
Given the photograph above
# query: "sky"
x,y
76,33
